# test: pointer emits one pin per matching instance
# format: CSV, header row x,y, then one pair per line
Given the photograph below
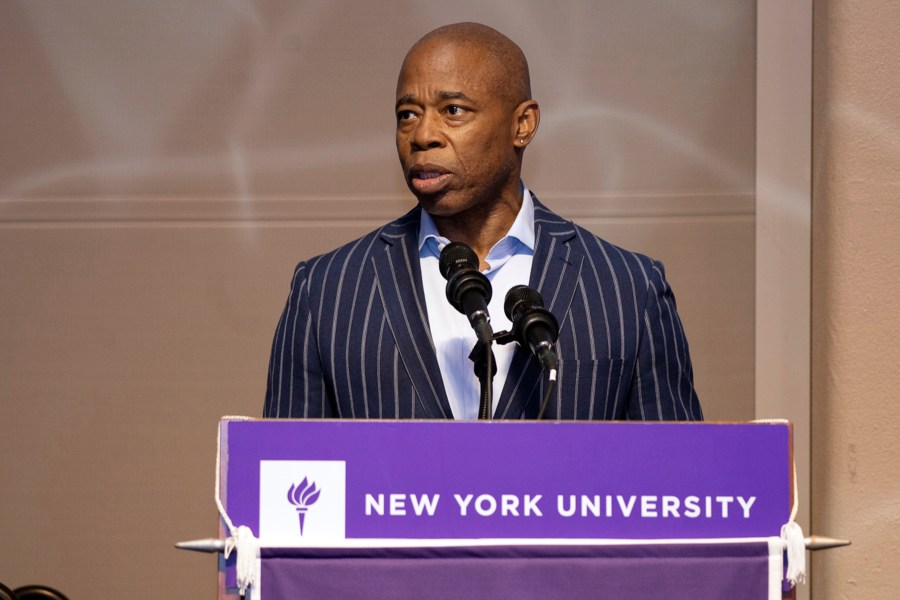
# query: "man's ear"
x,y
527,119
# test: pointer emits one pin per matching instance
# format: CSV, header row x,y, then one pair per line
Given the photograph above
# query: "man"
x,y
367,332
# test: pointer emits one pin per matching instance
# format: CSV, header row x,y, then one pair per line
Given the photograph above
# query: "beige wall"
x,y
856,298
164,165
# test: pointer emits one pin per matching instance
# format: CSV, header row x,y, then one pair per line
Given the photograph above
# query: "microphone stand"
x,y
485,368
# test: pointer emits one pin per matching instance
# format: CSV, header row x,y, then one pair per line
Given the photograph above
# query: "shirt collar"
x,y
522,229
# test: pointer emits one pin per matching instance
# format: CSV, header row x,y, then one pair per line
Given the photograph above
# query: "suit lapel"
x,y
400,285
555,272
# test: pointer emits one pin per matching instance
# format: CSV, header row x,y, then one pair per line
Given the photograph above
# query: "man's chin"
x,y
441,211
435,205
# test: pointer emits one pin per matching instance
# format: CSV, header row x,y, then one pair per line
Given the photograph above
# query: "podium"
x,y
443,509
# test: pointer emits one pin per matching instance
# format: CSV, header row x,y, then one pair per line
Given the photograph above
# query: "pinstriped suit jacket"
x,y
354,339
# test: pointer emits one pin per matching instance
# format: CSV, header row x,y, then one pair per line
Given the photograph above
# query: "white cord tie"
x,y
242,539
791,534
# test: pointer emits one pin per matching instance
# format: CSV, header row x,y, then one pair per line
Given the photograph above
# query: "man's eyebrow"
x,y
454,96
442,95
405,99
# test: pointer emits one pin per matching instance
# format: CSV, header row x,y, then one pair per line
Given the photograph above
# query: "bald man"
x,y
367,331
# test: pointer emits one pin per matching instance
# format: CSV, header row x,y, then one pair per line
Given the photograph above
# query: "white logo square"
x,y
302,502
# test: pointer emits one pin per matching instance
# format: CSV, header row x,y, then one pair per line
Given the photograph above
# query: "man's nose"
x,y
427,133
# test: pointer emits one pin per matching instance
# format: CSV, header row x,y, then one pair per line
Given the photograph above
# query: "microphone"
x,y
468,290
533,326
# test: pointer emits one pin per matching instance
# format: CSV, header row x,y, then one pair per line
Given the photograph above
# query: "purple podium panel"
x,y
645,572
443,509
334,483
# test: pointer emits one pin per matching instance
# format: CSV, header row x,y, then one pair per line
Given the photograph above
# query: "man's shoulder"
x,y
595,247
355,253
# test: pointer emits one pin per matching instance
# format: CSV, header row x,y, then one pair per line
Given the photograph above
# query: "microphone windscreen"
x,y
521,296
456,256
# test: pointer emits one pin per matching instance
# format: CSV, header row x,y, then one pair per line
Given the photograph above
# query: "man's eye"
x,y
404,115
455,111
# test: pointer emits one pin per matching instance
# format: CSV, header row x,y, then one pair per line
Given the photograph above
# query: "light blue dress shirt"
x,y
509,264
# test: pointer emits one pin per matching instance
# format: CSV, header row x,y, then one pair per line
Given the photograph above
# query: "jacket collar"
x,y
555,271
400,285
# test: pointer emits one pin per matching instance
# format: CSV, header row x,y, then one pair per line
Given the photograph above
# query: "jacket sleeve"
x,y
296,385
663,388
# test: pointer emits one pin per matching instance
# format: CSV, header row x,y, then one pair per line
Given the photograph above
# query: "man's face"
x,y
455,133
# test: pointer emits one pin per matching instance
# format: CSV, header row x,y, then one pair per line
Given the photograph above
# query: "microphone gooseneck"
x,y
469,291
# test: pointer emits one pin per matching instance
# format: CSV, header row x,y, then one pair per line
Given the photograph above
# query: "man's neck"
x,y
482,226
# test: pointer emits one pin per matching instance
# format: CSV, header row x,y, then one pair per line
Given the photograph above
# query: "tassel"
x,y
247,547
795,545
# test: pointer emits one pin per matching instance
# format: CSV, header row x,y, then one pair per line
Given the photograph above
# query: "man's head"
x,y
464,118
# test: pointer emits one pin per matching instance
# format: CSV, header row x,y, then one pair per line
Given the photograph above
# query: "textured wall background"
x,y
856,297
164,165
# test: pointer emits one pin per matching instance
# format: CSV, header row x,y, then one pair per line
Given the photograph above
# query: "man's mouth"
x,y
429,180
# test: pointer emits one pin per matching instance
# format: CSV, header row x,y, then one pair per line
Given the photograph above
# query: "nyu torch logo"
x,y
306,488
303,495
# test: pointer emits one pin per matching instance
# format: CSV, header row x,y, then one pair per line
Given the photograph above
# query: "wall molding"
x,y
339,209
